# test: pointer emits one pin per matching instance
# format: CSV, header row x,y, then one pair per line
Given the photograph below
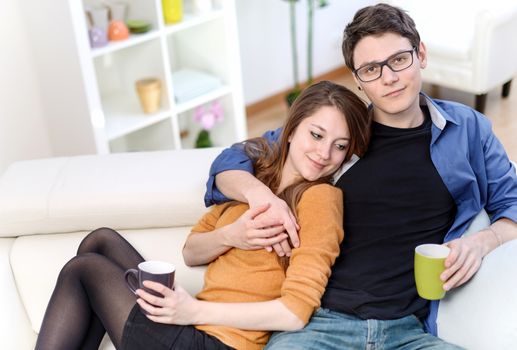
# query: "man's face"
x,y
394,94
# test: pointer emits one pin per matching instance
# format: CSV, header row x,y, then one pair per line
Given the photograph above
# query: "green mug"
x,y
429,264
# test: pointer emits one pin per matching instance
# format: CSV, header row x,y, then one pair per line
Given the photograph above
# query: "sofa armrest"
x,y
482,314
15,328
494,47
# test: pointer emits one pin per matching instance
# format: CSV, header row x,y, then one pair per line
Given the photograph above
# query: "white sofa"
x,y
153,198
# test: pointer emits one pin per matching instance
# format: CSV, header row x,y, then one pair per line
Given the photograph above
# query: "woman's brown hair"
x,y
269,159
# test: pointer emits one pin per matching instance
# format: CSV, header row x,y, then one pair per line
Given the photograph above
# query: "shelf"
x,y
152,137
124,116
109,114
123,120
185,106
193,20
134,39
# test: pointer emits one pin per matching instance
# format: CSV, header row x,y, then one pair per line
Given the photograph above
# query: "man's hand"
x,y
244,187
467,252
463,261
250,232
277,212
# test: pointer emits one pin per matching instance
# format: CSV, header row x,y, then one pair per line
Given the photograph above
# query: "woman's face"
x,y
317,146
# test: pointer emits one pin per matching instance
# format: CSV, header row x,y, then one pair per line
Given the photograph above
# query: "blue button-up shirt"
x,y
469,158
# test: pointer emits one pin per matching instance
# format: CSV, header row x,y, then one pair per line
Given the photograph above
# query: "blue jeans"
x,y
334,330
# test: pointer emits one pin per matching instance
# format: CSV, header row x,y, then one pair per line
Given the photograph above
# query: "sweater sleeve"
x,y
320,215
208,221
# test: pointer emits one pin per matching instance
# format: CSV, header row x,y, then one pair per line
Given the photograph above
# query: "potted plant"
x,y
311,5
207,118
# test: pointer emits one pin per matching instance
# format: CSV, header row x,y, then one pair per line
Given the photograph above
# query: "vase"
x,y
118,31
149,93
98,37
172,11
98,17
117,28
98,25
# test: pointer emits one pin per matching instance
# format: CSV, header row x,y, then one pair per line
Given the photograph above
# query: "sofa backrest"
x,y
122,191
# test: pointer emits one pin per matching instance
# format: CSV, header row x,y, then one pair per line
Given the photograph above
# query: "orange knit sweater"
x,y
256,275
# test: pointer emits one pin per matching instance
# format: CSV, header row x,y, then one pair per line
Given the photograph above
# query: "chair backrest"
x,y
470,43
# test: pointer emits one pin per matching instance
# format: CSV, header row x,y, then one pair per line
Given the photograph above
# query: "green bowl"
x,y
138,26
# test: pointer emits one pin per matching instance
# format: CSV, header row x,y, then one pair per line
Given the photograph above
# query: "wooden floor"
x,y
502,112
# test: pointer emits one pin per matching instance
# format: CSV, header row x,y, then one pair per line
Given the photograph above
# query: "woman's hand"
x,y
463,261
176,306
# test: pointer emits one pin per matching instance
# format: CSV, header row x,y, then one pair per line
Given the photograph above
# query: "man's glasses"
x,y
397,62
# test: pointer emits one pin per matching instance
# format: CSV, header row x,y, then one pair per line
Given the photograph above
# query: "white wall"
x,y
265,44
23,129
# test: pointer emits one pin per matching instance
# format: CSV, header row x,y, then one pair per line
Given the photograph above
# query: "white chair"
x,y
471,44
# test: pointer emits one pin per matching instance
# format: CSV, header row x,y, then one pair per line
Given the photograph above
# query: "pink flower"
x,y
207,119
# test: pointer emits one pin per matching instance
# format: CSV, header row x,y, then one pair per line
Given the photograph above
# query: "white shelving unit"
x,y
108,116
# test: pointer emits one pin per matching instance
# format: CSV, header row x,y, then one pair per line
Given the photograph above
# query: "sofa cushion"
x,y
36,262
128,190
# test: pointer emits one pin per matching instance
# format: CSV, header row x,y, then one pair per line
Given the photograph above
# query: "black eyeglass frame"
x,y
385,63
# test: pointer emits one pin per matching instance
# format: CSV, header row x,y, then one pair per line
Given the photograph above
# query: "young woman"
x,y
247,293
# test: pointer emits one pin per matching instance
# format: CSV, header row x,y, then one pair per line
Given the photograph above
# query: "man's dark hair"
x,y
377,20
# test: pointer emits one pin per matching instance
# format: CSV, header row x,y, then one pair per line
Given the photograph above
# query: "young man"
x,y
431,167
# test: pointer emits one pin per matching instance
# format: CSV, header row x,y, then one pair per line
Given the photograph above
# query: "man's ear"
x,y
357,82
422,55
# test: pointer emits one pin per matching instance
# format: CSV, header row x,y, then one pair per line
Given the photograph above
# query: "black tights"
x,y
91,296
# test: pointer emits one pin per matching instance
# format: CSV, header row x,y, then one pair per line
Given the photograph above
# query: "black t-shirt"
x,y
394,200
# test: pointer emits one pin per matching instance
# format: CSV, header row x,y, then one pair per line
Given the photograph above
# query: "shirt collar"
x,y
438,115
